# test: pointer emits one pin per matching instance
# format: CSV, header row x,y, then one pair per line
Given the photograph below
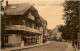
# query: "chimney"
x,y
6,3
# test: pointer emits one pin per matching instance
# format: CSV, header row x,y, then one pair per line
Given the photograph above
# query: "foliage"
x,y
71,17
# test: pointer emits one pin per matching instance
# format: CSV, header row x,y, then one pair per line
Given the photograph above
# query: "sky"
x,y
49,10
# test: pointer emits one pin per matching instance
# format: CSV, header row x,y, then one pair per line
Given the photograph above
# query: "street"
x,y
53,46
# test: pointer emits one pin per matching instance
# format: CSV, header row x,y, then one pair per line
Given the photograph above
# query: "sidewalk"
x,y
76,49
18,48
70,47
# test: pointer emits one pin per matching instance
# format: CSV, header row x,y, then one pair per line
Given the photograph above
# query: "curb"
x,y
29,47
25,48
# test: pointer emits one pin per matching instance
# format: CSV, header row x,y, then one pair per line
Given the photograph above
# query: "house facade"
x,y
24,25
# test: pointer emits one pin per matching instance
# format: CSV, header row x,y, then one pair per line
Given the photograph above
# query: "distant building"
x,y
23,23
57,33
50,34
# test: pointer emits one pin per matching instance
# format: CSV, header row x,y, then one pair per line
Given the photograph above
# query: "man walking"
x,y
76,43
44,41
73,43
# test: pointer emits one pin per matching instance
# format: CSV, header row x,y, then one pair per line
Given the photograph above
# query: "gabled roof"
x,y
20,9
17,9
43,22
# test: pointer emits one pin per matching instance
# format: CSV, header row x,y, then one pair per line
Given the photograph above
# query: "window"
x,y
35,27
6,39
27,23
23,22
38,27
30,24
7,23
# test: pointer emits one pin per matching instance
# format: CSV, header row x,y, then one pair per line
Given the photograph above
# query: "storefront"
x,y
16,38
30,38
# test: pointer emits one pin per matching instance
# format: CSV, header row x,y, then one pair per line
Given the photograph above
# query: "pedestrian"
x,y
44,41
22,43
73,43
76,43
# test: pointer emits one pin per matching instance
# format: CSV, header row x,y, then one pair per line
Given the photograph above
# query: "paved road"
x,y
54,46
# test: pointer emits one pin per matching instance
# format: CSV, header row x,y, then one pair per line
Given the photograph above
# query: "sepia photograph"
x,y
40,25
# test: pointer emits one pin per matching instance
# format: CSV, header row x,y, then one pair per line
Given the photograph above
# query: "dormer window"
x,y
29,13
30,16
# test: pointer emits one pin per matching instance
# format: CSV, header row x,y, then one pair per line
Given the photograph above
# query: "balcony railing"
x,y
23,28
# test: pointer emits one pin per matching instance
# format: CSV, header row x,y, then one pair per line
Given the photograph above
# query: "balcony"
x,y
23,28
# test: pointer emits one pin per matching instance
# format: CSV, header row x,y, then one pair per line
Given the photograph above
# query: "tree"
x,y
71,17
